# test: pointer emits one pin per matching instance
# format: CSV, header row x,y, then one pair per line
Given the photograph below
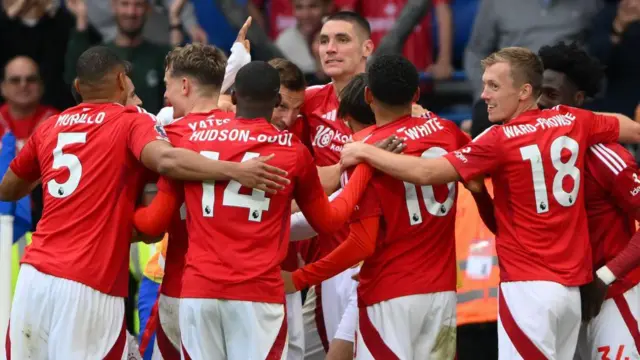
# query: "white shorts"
x,y
538,320
232,330
167,343
55,318
409,327
614,332
322,313
349,322
295,326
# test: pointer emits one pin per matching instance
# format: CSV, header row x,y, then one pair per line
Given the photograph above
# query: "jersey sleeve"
x,y
600,128
618,174
143,129
480,157
170,186
368,206
26,165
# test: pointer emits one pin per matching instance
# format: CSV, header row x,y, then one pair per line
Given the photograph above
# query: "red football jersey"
x,y
23,128
325,134
536,163
178,237
415,248
611,185
238,237
87,159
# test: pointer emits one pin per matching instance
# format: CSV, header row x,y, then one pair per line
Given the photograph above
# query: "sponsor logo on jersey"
x,y
326,135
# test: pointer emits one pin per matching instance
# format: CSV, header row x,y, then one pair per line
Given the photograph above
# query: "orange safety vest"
x,y
477,263
154,270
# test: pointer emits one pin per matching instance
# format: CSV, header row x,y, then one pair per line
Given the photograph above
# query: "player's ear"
x,y
278,100
234,99
368,96
416,96
121,79
186,87
526,91
367,48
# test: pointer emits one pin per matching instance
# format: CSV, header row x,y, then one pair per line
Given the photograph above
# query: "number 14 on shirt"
x,y
256,202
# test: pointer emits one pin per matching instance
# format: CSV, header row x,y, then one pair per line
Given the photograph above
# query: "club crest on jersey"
x,y
162,135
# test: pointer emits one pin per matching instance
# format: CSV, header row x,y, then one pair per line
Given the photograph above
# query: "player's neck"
x,y
204,104
247,112
523,107
340,83
122,40
19,113
387,115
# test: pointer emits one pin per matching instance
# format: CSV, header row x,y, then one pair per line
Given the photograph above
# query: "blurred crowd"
x,y
42,39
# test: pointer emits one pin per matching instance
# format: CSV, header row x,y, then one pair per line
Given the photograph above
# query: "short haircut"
x,y
205,64
291,77
257,81
96,63
354,19
575,63
353,104
393,79
526,67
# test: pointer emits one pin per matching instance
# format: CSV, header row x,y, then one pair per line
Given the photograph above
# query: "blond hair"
x,y
526,66
205,64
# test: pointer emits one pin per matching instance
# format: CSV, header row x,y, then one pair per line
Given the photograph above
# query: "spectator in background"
x,y
525,23
39,30
280,13
615,41
22,89
156,29
419,47
147,58
295,41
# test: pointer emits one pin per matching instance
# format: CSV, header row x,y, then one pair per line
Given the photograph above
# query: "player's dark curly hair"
x,y
573,61
393,79
352,103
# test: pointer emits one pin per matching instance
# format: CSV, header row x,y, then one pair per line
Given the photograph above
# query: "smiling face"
x,y
342,51
500,92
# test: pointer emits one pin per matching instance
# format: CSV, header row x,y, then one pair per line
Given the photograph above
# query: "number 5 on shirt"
x,y
256,202
69,161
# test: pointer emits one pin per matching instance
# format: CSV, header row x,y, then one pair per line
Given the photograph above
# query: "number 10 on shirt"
x,y
256,202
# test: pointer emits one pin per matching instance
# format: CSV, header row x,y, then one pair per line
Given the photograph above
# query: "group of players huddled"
x,y
240,193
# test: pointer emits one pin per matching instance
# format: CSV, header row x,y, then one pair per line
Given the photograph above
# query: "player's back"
x,y
611,187
238,237
177,247
539,200
415,248
91,180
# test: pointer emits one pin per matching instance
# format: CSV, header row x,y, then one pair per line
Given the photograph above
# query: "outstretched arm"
x,y
411,169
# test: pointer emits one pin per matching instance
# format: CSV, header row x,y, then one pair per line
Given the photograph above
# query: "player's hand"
x,y
242,34
393,144
257,174
351,154
592,296
287,278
